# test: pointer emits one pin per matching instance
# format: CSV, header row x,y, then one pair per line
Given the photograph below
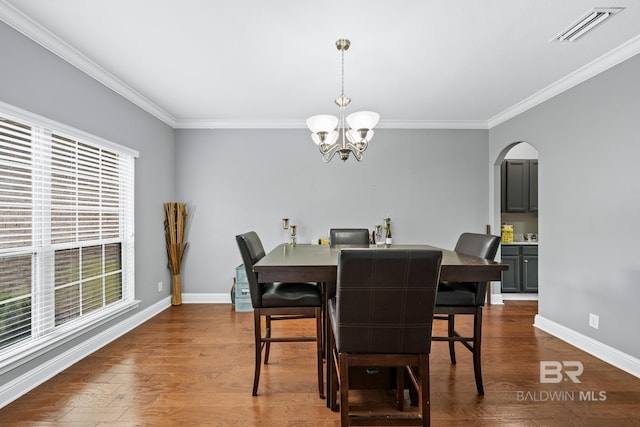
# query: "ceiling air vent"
x,y
588,22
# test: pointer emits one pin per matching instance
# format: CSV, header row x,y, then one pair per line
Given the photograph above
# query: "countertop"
x,y
521,243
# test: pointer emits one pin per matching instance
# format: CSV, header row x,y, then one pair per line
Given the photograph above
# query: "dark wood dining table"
x,y
319,263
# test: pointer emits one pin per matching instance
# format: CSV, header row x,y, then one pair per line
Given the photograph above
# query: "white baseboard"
x,y
206,298
519,297
33,378
496,299
499,299
595,348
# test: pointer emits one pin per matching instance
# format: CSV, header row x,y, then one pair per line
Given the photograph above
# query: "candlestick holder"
x,y
285,227
293,230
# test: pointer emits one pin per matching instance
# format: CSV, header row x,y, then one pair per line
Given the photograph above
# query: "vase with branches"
x,y
175,216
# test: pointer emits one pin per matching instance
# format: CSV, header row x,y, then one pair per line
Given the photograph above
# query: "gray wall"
x,y
34,79
588,140
433,184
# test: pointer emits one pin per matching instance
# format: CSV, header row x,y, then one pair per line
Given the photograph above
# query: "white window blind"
x,y
66,230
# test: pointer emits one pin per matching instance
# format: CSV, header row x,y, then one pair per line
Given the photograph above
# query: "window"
x,y
66,230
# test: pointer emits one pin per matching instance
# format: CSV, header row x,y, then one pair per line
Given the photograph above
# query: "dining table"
x,y
294,262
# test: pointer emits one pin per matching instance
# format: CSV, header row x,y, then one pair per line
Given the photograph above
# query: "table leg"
x,y
488,300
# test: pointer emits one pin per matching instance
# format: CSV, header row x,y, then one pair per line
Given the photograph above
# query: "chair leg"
x,y
344,389
419,378
400,373
425,391
267,335
323,286
332,372
258,345
319,352
477,340
451,331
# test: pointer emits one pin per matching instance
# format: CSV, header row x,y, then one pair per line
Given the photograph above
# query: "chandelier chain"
x,y
342,51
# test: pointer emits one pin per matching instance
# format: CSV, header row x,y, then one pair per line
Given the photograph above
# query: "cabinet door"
x,y
511,277
503,186
529,273
517,185
533,186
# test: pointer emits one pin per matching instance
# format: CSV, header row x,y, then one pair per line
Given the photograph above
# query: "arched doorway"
x,y
517,168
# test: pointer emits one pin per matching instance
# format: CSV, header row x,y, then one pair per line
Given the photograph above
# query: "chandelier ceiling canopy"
x,y
343,135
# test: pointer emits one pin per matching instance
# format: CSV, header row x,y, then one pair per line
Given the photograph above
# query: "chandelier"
x,y
339,134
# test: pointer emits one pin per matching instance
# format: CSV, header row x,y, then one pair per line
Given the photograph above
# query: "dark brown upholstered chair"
x,y
382,316
466,299
279,301
349,236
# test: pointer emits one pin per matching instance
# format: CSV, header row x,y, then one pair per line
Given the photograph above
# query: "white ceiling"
x,y
256,63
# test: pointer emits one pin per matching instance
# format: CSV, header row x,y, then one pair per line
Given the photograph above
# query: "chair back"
x,y
480,245
385,300
483,246
252,251
349,236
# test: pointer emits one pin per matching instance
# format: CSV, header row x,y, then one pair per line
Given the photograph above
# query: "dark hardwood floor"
x,y
192,365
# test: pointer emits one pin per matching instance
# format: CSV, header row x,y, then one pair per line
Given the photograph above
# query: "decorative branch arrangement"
x,y
175,215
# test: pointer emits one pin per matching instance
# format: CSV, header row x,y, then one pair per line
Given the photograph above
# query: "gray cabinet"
x,y
533,185
511,277
522,275
519,179
529,269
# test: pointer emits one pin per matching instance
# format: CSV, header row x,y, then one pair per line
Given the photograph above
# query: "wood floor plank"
x,y
193,365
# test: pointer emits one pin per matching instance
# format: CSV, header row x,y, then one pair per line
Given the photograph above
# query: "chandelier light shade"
x,y
339,134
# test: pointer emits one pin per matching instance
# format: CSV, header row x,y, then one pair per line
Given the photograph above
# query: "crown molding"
x,y
433,124
239,124
595,67
299,124
36,32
